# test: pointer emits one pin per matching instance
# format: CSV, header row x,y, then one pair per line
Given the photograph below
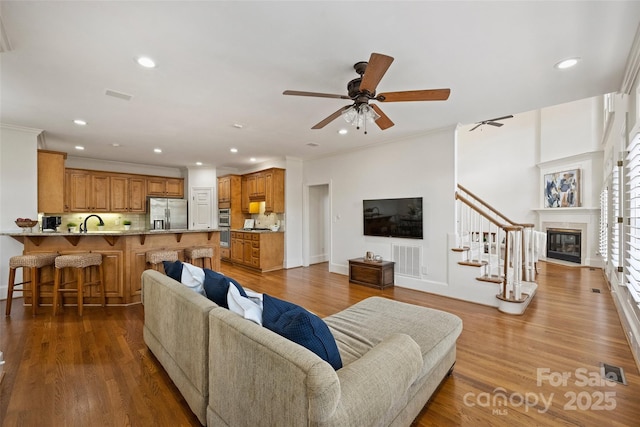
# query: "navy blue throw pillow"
x,y
173,270
216,286
302,327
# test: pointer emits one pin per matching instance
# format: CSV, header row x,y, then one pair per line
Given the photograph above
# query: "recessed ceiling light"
x,y
80,122
79,147
238,126
146,62
234,150
567,63
157,150
253,159
115,144
198,163
343,131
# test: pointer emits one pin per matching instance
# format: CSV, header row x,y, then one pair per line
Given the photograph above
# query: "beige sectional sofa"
x,y
234,372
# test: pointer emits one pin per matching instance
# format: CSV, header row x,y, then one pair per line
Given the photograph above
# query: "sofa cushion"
x,y
216,286
302,327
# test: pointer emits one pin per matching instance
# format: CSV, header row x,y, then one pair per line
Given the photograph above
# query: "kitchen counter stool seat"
x,y
155,258
80,262
34,262
199,252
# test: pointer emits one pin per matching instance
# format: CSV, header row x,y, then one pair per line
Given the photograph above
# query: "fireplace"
x,y
564,244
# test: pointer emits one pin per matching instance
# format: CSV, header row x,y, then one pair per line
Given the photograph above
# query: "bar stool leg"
x,y
80,283
12,278
56,289
103,291
35,285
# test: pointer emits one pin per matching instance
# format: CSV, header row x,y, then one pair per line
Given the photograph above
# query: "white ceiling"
x,y
222,62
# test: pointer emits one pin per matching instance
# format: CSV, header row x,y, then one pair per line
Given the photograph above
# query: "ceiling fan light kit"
x,y
359,115
363,89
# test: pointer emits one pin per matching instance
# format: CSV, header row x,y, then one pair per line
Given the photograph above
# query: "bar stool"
x,y
34,262
80,262
205,253
155,258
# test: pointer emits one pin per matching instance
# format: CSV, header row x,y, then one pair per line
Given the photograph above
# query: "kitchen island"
x,y
124,256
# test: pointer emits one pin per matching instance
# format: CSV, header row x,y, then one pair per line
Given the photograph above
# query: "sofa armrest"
x,y
371,385
178,319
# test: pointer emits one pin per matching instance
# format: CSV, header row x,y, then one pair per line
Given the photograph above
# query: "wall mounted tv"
x,y
393,217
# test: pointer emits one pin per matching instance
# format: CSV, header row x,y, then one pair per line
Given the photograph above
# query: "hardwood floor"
x,y
97,371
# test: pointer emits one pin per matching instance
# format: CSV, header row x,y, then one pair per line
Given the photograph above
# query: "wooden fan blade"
x,y
415,95
316,94
377,66
475,127
495,124
383,121
331,118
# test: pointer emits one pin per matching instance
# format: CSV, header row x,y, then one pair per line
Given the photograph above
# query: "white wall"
x,y
18,190
571,128
499,165
423,166
122,167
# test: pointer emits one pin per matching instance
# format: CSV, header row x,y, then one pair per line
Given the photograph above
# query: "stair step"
x,y
493,278
462,249
473,263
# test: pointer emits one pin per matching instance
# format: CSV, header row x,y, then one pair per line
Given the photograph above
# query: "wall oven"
x,y
224,218
225,237
224,225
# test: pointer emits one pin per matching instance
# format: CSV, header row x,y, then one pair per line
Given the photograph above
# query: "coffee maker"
x,y
51,223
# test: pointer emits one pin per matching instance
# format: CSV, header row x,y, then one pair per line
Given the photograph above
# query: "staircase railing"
x,y
506,249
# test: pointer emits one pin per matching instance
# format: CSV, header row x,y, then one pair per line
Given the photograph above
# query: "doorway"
x,y
319,225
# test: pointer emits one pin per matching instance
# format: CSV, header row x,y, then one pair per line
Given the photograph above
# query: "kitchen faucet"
x,y
84,229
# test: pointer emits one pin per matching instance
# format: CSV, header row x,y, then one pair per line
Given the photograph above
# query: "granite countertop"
x,y
254,230
102,233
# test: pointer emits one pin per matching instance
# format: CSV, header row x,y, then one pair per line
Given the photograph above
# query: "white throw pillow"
x,y
249,308
193,277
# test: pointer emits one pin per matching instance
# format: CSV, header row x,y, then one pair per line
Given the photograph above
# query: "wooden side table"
x,y
377,274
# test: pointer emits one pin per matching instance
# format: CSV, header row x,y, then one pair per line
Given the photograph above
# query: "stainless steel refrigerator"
x,y
167,214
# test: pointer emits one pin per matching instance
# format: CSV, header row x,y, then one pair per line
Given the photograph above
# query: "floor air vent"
x,y
407,259
613,373
595,290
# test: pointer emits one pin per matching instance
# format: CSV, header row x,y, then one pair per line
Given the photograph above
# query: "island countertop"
x,y
123,254
13,233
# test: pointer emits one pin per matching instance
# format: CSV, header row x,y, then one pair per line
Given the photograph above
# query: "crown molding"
x,y
633,65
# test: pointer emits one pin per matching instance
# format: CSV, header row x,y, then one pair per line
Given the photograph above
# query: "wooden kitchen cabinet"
x,y
224,191
128,194
88,191
51,181
264,186
237,247
274,191
165,187
244,195
259,251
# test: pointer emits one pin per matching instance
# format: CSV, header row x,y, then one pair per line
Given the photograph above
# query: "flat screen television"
x,y
393,217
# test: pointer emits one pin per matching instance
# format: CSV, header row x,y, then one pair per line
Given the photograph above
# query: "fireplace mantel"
x,y
568,211
585,219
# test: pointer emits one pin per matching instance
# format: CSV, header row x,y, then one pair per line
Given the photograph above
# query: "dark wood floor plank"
x,y
96,370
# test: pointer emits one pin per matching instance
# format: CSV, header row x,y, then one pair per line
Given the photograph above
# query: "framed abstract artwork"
x,y
562,189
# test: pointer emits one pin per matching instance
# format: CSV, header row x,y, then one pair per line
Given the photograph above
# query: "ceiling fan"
x,y
492,122
363,89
